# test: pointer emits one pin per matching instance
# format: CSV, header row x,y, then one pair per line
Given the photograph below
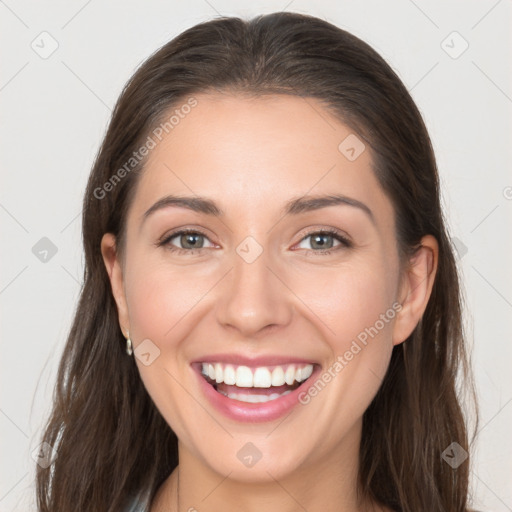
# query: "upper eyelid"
x,y
326,231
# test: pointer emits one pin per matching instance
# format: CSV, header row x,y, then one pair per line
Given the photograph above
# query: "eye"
x,y
322,241
189,240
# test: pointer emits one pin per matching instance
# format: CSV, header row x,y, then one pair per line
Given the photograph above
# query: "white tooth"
x,y
277,376
289,375
204,369
254,399
262,378
306,372
244,377
218,373
241,397
211,371
229,375
298,374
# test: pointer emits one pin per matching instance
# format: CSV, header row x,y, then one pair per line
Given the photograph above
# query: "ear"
x,y
416,287
115,273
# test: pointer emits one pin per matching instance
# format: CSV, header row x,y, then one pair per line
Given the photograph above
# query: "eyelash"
x,y
332,232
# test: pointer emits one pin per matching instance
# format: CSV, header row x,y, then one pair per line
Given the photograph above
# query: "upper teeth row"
x,y
261,377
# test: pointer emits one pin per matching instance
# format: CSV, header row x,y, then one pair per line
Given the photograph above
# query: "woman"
x,y
271,311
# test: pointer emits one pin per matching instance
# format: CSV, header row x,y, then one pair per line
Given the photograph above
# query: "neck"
x,y
328,484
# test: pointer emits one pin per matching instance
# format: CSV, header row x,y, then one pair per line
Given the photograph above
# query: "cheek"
x,y
161,302
356,311
350,302
356,315
159,297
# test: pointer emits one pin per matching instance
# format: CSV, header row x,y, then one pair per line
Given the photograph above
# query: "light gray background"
x,y
55,111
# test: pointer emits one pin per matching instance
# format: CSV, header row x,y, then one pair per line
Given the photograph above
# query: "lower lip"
x,y
253,412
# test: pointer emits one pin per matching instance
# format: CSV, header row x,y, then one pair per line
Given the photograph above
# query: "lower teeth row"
x,y
243,397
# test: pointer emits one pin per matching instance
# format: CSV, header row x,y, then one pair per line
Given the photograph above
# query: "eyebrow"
x,y
294,206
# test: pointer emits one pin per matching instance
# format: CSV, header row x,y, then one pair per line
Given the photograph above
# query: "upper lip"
x,y
252,362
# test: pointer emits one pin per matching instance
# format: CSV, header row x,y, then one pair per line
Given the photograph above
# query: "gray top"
x,y
138,504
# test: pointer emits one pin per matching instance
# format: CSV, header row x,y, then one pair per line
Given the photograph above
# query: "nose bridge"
x,y
253,297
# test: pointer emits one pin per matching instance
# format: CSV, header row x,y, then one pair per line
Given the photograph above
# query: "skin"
x,y
251,156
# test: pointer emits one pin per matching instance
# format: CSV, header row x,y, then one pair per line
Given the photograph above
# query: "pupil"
x,y
189,236
319,237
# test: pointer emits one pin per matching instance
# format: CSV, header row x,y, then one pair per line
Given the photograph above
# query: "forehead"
x,y
253,154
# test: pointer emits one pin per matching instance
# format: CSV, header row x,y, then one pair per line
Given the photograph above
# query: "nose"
x,y
254,297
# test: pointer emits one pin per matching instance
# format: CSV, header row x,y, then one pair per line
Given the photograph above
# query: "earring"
x,y
129,350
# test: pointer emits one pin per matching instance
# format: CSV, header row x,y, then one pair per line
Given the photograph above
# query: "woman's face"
x,y
252,291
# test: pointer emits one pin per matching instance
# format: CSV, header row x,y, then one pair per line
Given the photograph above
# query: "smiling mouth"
x,y
255,385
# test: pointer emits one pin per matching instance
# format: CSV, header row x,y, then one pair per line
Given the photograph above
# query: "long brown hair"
x,y
112,442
